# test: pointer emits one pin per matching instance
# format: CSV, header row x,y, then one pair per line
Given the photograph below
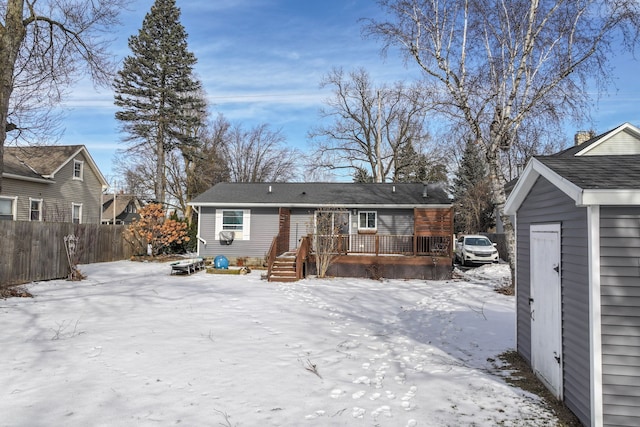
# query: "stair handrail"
x,y
271,255
301,255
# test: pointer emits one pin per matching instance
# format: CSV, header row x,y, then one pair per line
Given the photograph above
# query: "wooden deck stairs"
x,y
284,268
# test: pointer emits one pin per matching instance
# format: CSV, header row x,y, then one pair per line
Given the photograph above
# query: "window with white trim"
x,y
76,213
78,169
367,220
8,208
35,209
236,221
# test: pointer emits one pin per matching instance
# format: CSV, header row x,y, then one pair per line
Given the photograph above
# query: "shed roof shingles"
x,y
597,172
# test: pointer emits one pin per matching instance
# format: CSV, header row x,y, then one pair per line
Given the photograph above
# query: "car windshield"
x,y
477,241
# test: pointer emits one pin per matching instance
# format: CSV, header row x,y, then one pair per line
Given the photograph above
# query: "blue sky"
x,y
261,61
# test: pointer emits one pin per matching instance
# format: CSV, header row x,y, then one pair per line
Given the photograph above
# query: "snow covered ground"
x,y
133,345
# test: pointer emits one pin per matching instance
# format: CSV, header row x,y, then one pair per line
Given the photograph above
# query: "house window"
x,y
367,220
328,222
8,208
234,220
35,209
78,166
76,213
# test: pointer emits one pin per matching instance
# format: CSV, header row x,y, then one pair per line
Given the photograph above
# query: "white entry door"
x,y
545,306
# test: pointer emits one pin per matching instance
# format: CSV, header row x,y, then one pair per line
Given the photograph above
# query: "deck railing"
x,y
386,244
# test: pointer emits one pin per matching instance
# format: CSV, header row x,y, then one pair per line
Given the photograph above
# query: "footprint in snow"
x,y
336,393
358,412
316,414
362,380
358,394
383,410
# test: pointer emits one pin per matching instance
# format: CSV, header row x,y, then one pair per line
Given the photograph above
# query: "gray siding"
x,y
395,221
620,300
547,204
264,227
58,197
390,221
301,224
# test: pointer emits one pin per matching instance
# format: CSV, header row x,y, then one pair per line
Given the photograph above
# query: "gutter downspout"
x,y
197,208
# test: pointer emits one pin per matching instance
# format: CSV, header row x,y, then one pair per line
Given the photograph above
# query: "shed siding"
x,y
547,204
57,197
264,227
620,299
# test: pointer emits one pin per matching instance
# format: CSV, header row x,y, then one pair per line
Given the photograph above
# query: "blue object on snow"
x,y
221,261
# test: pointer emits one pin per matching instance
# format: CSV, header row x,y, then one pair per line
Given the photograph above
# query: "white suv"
x,y
475,249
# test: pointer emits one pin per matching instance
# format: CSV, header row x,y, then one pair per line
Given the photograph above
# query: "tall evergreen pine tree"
x,y
471,194
160,101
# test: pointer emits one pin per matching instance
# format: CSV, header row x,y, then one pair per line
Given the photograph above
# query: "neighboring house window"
x,y
35,209
76,213
8,208
367,220
78,169
234,220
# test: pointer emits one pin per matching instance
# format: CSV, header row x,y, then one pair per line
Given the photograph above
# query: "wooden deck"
x,y
388,266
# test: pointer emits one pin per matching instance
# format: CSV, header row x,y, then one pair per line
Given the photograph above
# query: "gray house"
x,y
577,218
401,230
51,183
120,208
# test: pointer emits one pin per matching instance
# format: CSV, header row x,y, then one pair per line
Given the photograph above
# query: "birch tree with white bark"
x,y
498,66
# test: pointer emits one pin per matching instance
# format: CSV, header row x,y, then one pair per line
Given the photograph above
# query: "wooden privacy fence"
x,y
32,251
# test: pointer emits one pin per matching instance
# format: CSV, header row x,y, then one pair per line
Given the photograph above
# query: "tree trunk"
x,y
11,37
496,181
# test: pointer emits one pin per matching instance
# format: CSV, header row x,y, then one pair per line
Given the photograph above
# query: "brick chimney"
x,y
583,136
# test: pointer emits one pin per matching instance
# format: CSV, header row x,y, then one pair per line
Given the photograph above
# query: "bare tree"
x,y
259,155
328,238
372,126
499,66
44,46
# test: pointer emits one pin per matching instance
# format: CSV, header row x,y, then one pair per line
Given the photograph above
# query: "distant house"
x,y
123,211
577,217
51,183
386,230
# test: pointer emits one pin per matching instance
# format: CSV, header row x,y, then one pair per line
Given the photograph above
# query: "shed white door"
x,y
545,306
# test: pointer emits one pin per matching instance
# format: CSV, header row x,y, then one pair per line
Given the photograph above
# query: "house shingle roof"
x,y
122,201
597,172
37,161
322,194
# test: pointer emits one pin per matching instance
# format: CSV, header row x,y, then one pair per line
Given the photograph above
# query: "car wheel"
x,y
462,263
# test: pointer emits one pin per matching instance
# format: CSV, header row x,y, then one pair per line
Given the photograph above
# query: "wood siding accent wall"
x,y
546,204
620,301
264,227
433,222
284,224
58,196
